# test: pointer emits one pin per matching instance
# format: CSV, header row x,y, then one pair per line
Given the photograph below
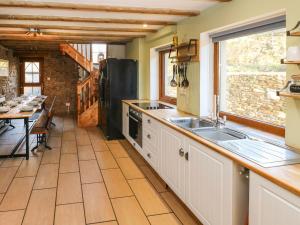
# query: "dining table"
x,y
16,113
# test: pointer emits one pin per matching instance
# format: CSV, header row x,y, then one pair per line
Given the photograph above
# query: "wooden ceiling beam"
x,y
77,28
80,19
98,8
22,37
91,35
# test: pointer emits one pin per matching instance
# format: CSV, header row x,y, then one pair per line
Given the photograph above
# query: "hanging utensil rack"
x,y
185,52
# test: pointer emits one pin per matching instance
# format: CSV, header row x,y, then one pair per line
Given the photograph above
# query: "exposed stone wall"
x,y
254,96
60,80
9,86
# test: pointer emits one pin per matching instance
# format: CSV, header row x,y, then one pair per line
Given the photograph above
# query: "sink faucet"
x,y
217,120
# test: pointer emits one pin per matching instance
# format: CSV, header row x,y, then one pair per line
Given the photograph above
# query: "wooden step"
x,y
89,118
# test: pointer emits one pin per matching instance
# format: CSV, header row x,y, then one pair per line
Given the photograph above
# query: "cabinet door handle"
x,y
149,155
149,136
186,156
149,121
181,152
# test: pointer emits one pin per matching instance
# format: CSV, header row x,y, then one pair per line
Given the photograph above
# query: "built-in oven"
x,y
135,126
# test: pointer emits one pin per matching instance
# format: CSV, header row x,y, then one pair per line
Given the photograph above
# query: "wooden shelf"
x,y
185,52
293,33
284,61
288,94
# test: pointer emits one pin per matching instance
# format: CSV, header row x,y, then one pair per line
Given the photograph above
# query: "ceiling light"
x,y
145,25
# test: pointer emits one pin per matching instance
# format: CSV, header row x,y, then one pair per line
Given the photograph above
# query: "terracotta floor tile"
x,y
107,223
6,176
85,148
12,162
96,203
183,215
129,168
129,212
54,142
100,146
29,167
117,150
47,176
11,217
68,136
165,219
158,183
90,172
69,188
86,155
106,160
68,163
18,194
83,140
40,208
149,199
116,183
68,147
137,158
72,214
1,197
51,156
80,131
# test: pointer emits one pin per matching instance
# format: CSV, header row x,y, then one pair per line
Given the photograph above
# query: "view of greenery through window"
x,y
250,74
169,90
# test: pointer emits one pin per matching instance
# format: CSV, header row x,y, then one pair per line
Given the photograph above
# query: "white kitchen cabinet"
x,y
172,159
271,204
125,120
209,178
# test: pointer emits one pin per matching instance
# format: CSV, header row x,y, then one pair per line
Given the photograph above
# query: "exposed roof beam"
x,y
79,28
100,8
80,19
91,35
22,37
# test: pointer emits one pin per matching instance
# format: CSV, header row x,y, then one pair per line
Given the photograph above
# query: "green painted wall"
x,y
213,18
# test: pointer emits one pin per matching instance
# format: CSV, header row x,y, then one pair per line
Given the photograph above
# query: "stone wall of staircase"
x,y
60,80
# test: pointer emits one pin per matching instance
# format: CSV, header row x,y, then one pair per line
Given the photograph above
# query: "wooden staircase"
x,y
87,89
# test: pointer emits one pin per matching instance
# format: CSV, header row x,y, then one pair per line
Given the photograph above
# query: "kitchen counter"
x,y
287,177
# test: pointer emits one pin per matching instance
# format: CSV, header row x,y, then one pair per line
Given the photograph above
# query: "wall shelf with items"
x,y
288,94
185,52
284,61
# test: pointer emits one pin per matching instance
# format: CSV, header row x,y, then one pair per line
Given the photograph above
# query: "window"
x,y
166,92
31,76
247,74
98,52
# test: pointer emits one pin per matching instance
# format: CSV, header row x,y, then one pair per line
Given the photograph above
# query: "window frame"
x,y
257,124
162,96
22,74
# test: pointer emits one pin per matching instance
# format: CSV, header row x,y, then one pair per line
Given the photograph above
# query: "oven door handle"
x,y
133,119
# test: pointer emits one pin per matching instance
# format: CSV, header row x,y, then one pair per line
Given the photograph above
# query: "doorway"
x,y
31,76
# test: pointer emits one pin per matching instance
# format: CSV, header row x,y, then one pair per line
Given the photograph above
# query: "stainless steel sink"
x,y
219,134
191,122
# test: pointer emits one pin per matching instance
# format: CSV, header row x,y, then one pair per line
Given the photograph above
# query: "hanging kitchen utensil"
x,y
186,83
173,82
179,75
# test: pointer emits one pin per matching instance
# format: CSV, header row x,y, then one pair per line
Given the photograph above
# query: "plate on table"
x,y
26,108
12,103
34,103
18,99
4,109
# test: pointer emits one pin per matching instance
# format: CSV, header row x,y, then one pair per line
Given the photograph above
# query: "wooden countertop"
x,y
287,177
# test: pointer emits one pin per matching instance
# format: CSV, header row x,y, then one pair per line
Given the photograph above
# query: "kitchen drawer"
x,y
149,122
151,155
150,137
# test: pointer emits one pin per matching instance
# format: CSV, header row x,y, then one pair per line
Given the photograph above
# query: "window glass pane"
x,y
32,72
250,74
98,51
32,91
168,72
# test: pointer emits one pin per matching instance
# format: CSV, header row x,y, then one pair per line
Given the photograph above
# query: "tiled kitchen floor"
x,y
85,180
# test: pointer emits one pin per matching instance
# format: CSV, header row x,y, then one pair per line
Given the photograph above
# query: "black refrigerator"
x,y
118,81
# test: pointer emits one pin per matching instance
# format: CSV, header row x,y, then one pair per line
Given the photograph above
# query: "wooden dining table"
x,y
15,113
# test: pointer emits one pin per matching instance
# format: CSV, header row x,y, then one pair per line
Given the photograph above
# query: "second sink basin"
x,y
191,122
219,134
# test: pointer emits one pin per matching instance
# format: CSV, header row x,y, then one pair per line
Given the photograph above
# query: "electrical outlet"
x,y
68,104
